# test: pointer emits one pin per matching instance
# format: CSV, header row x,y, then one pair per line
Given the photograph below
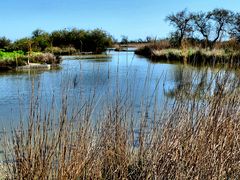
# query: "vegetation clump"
x,y
45,58
194,56
61,42
11,60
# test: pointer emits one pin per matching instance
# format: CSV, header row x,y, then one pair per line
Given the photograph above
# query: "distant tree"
x,y
76,38
124,40
60,38
4,42
140,40
21,44
235,28
41,40
37,33
114,40
222,20
181,21
70,40
95,41
202,24
100,40
57,38
149,39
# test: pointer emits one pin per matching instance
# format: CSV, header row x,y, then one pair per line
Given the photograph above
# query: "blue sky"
x,y
133,18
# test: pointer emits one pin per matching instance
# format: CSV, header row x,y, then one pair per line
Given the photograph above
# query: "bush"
x,y
95,41
47,58
61,51
145,51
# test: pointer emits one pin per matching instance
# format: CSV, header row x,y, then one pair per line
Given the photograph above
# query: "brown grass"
x,y
192,138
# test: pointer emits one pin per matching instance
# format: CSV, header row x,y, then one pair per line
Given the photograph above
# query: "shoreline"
x,y
193,56
24,62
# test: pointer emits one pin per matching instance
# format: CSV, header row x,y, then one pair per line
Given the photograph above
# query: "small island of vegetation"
x,y
45,48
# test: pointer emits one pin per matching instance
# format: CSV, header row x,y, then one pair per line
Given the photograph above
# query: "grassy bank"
x,y
195,56
191,139
11,60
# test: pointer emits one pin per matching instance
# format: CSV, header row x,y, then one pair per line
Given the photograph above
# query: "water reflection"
x,y
81,78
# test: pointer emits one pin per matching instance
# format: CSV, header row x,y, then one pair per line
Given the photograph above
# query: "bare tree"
x,y
181,21
202,24
235,27
222,19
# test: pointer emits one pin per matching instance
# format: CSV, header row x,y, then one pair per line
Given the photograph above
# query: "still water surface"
x,y
80,78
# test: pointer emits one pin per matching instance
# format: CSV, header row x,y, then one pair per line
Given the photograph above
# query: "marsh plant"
x,y
191,138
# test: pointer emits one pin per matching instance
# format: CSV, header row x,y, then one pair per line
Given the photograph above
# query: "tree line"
x,y
74,40
206,27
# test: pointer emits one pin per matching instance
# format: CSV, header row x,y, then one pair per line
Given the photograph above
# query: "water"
x,y
80,79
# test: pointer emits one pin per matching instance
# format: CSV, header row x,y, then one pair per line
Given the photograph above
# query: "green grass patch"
x,y
11,55
10,60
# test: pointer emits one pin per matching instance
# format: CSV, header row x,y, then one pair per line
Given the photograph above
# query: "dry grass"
x,y
194,56
191,139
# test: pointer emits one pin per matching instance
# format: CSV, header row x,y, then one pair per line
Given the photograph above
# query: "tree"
x,y
37,33
4,42
202,24
41,40
21,44
100,40
124,39
149,39
235,28
69,40
140,40
181,21
93,41
222,20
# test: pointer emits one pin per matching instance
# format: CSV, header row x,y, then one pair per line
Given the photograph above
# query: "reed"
x,y
193,137
194,56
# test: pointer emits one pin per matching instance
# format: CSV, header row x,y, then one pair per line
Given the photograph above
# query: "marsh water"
x,y
81,78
